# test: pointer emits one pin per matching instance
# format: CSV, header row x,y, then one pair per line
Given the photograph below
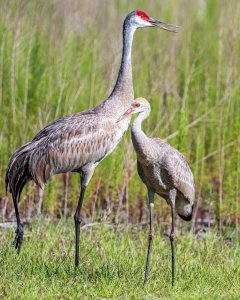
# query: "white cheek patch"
x,y
143,22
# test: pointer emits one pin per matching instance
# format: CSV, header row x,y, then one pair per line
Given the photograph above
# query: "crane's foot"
x,y
18,238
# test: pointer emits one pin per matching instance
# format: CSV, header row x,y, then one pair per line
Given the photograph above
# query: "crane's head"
x,y
184,209
139,18
139,105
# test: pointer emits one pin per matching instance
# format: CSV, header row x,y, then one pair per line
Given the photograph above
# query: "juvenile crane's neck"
x,y
139,138
124,83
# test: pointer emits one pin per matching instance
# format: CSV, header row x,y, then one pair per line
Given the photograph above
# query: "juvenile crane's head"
x,y
139,19
184,209
140,105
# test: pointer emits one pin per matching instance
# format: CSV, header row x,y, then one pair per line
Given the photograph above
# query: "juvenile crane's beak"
x,y
163,25
126,114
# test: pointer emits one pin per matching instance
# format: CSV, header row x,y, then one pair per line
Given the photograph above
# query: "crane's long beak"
x,y
163,25
126,114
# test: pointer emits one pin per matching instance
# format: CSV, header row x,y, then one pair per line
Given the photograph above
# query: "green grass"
x,y
112,265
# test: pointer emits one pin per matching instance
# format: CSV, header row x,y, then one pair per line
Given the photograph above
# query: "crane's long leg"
x,y
151,232
172,196
78,220
85,176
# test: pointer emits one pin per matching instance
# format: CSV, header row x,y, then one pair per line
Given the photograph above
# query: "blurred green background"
x,y
59,57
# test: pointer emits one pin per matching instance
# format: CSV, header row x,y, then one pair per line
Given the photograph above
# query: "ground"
x,y
112,264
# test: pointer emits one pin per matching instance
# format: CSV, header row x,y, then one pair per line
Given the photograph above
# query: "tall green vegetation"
x,y
60,57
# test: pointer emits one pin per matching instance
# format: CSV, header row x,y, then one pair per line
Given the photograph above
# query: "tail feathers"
x,y
18,173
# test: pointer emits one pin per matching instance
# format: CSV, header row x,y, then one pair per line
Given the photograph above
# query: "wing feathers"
x,y
181,175
68,150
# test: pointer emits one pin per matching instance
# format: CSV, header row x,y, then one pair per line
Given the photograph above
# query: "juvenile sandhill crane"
x,y
164,171
78,143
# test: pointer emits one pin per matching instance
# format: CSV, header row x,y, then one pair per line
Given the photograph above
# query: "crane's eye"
x,y
136,104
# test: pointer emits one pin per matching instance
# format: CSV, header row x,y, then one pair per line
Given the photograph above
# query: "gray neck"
x,y
124,83
139,138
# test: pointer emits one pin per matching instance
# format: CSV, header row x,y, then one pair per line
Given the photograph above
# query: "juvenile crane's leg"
x,y
172,198
151,232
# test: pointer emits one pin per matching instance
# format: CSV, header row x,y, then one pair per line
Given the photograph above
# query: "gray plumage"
x,y
67,145
164,170
78,143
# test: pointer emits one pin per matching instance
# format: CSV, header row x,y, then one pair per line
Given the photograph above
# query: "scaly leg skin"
x,y
172,237
78,220
151,232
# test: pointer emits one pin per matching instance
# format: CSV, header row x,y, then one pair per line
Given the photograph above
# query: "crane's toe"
x,y
18,238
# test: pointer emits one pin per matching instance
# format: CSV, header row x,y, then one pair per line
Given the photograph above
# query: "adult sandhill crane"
x,y
164,171
78,143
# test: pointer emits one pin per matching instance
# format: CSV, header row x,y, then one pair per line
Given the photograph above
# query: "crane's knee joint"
x,y
151,234
77,219
172,236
